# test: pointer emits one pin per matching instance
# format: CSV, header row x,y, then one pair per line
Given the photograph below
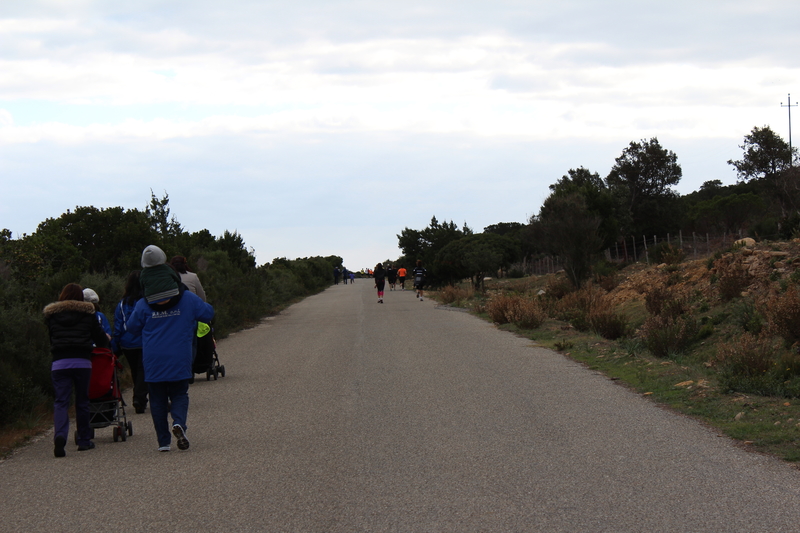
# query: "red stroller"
x,y
106,407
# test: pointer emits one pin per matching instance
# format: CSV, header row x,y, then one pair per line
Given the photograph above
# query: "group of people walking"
x,y
155,325
381,276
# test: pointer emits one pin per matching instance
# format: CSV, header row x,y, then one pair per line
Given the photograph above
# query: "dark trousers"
x,y
64,381
168,397
134,357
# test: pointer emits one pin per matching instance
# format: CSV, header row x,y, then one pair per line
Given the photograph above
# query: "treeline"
x,y
586,214
98,248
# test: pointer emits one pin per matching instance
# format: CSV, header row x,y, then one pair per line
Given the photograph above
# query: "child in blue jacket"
x,y
167,327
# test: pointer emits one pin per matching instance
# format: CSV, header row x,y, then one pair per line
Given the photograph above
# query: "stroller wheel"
x,y
222,371
122,434
208,375
116,433
130,428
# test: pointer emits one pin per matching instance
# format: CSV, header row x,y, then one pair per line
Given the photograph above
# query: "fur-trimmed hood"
x,y
68,305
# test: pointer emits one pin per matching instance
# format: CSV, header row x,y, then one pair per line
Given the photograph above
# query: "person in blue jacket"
x,y
167,326
123,342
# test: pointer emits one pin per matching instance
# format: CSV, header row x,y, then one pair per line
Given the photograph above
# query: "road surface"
x,y
345,415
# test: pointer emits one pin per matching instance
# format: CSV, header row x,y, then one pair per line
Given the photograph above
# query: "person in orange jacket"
x,y
401,276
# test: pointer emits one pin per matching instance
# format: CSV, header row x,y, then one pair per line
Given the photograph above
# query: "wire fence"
x,y
638,249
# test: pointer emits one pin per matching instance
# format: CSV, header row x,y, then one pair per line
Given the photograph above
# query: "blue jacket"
x,y
121,337
167,332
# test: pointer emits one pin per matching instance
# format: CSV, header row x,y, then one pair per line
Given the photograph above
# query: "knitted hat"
x,y
153,256
90,296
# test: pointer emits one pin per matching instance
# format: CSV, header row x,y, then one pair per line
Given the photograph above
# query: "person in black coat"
x,y
74,332
380,281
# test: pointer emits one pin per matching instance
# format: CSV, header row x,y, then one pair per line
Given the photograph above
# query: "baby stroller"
x,y
106,407
207,361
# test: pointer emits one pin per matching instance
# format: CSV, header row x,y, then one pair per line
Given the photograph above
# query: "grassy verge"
x,y
686,383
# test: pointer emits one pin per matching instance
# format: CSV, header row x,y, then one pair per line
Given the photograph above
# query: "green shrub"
x,y
608,324
668,336
746,315
664,252
756,365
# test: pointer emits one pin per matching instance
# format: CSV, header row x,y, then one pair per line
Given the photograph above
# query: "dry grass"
x,y
523,312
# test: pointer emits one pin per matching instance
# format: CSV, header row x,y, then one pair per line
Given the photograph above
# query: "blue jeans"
x,y
161,394
64,381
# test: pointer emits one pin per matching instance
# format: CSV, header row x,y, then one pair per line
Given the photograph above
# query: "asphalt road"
x,y
344,415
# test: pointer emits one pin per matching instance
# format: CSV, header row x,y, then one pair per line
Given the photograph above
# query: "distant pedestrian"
x,y
380,281
345,276
401,276
74,331
391,277
419,279
167,319
129,344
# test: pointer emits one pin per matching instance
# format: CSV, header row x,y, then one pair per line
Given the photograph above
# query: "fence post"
x,y
646,255
635,256
680,234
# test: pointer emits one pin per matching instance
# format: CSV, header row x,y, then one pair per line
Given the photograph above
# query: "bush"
x,y
609,324
664,252
457,295
668,336
732,281
661,301
518,310
751,366
526,313
558,287
747,317
783,315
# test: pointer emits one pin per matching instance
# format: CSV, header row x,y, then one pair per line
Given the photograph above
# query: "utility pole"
x,y
790,106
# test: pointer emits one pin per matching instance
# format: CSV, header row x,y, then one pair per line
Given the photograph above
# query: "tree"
x,y
598,197
425,244
475,256
765,155
641,180
109,239
729,213
565,228
160,221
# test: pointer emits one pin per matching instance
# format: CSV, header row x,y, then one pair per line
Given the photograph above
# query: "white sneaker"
x,y
421,299
180,434
163,448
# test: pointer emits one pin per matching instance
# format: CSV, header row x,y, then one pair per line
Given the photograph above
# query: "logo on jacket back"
x,y
166,314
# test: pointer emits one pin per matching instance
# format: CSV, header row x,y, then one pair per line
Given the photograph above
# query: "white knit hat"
x,y
90,296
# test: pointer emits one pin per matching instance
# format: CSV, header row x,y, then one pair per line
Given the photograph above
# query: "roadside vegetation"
x,y
714,338
97,248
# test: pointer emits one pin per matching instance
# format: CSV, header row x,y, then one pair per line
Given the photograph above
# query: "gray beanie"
x,y
90,296
153,256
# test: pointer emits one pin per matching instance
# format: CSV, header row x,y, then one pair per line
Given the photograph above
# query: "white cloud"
x,y
277,100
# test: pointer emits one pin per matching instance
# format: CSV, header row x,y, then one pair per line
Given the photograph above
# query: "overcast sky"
x,y
326,127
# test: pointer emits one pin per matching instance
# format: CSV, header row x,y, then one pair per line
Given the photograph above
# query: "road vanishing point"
x,y
345,415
